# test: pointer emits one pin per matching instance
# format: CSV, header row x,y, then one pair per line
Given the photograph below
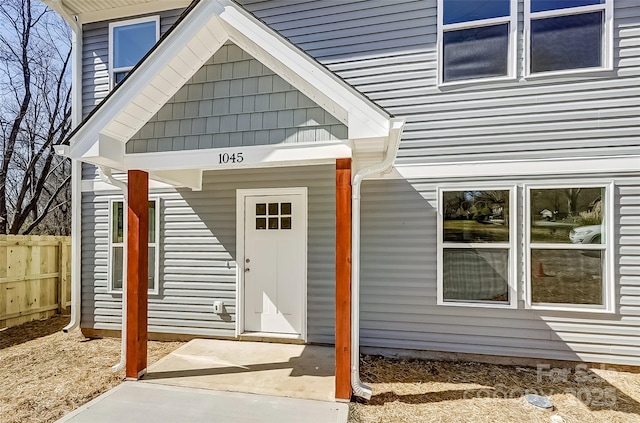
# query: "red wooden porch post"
x,y
343,278
137,273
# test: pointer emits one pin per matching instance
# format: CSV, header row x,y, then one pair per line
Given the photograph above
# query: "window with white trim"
x,y
565,35
568,247
475,247
117,238
476,39
129,41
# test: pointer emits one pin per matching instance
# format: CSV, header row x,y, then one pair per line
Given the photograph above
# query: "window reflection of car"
x,y
591,234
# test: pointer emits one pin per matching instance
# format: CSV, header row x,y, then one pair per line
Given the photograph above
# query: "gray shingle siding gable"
x,y
234,100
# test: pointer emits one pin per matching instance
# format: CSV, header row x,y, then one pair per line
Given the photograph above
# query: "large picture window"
x,y
476,39
566,35
117,238
475,247
568,246
129,41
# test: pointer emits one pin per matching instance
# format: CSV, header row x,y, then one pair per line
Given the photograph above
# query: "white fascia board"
x,y
541,167
365,119
255,156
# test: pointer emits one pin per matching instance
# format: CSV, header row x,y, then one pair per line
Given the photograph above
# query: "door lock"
x,y
247,261
246,269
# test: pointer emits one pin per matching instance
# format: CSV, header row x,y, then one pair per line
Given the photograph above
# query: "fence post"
x,y
62,280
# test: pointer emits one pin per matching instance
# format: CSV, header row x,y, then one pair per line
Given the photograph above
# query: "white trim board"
x,y
539,167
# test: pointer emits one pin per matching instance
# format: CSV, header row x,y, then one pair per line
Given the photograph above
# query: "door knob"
x,y
247,261
246,269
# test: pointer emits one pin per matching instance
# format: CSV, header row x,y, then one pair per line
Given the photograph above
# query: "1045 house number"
x,y
226,158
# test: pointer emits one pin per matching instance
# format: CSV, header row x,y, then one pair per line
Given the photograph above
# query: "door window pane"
x,y
285,223
456,11
476,274
261,223
285,208
567,216
273,209
132,42
261,209
566,276
543,5
476,53
475,216
566,42
273,223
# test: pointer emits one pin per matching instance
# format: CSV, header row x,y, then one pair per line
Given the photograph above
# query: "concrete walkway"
x,y
133,402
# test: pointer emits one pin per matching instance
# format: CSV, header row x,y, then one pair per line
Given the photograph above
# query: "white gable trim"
x,y
202,32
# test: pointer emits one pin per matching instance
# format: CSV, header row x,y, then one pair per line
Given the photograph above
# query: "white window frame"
x,y
608,287
112,245
607,36
512,64
511,246
113,70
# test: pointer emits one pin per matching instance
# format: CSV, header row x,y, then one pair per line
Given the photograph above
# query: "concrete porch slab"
x,y
283,370
135,402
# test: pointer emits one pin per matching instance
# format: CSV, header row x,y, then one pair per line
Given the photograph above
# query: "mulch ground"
x,y
406,390
46,373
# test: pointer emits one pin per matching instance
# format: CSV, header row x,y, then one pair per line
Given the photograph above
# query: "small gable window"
x,y
476,39
129,41
568,35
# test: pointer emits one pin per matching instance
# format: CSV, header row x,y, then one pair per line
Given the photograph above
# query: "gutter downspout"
x,y
107,177
395,134
76,168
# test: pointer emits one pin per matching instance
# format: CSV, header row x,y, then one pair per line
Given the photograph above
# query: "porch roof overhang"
x,y
205,27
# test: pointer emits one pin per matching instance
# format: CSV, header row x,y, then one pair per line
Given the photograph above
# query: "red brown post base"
x,y
343,279
137,273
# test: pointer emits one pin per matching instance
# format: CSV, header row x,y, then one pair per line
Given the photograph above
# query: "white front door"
x,y
275,263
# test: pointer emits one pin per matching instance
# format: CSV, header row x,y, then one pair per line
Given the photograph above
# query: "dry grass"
x,y
46,373
433,391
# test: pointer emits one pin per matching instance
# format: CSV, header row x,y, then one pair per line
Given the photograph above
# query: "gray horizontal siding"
x,y
387,50
234,100
399,306
95,57
197,250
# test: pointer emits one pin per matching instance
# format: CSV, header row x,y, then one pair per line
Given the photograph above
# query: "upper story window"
x,y
476,39
129,41
568,34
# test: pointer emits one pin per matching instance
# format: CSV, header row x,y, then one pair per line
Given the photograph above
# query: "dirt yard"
x,y
433,391
46,373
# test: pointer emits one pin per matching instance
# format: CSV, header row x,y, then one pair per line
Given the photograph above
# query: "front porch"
x,y
283,370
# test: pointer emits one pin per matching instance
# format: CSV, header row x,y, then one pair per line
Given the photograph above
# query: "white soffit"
x,y
209,25
88,11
